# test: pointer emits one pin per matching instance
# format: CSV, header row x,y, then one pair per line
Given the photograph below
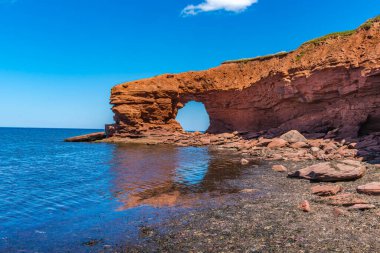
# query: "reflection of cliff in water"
x,y
166,175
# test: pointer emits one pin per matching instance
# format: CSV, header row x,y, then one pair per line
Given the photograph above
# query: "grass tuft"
x,y
322,39
368,24
258,58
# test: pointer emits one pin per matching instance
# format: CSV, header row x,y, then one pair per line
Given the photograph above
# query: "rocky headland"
x,y
328,90
318,106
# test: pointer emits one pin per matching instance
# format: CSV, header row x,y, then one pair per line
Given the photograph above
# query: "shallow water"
x,y
81,197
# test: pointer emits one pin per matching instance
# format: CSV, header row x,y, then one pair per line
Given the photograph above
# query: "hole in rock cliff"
x,y
371,125
193,117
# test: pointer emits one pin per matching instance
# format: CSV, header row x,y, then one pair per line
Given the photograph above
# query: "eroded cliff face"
x,y
323,85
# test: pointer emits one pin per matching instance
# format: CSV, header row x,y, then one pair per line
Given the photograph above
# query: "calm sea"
x,y
83,197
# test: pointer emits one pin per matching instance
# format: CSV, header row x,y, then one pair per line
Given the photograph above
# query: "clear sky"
x,y
60,58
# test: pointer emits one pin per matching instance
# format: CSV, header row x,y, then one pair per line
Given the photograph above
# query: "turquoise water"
x,y
83,197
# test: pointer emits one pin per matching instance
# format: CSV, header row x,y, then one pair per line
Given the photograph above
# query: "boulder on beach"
x,y
332,171
293,136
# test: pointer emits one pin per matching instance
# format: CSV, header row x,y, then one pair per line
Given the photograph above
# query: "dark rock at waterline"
x,y
87,137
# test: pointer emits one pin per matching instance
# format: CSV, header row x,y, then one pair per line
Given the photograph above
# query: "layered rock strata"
x,y
327,86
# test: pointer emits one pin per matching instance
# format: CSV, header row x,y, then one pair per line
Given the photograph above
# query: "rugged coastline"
x,y
311,115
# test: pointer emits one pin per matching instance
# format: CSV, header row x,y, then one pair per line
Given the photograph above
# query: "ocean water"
x,y
85,197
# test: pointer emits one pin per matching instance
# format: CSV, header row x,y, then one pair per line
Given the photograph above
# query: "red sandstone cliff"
x,y
329,83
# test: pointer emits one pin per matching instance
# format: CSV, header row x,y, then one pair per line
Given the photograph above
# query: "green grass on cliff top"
x,y
366,26
258,58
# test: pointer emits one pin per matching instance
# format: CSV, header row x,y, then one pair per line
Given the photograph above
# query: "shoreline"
x,y
290,146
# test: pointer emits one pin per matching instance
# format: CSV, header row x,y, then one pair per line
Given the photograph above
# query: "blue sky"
x,y
60,58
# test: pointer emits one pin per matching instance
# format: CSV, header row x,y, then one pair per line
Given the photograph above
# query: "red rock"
x,y
332,171
361,207
315,143
333,85
370,189
279,168
326,190
263,142
205,141
277,143
300,144
346,199
339,212
330,147
227,136
304,206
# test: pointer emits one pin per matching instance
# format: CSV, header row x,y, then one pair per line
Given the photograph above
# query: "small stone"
x,y
339,212
361,207
330,147
305,206
248,191
370,189
205,141
315,149
279,168
326,190
244,161
277,157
